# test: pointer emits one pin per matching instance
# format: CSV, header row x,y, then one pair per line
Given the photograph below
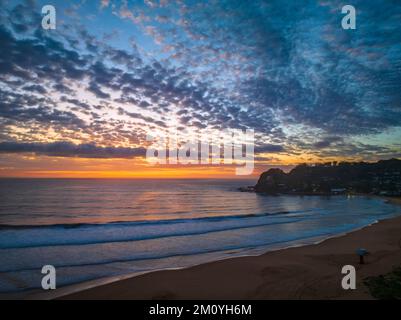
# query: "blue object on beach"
x,y
361,252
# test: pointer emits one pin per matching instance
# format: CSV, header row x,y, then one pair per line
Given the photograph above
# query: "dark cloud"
x,y
67,149
75,102
95,89
39,58
61,88
295,60
264,65
327,142
35,88
269,148
29,108
139,116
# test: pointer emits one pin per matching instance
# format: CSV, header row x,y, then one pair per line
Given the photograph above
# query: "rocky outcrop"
x,y
383,177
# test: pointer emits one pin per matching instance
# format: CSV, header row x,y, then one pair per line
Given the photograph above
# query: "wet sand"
x,y
308,272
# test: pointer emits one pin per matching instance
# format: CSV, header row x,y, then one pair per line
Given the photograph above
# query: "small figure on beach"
x,y
361,252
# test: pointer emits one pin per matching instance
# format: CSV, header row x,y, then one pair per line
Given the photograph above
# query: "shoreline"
x,y
77,288
310,271
95,283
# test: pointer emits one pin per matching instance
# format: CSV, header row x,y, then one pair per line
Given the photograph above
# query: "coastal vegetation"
x,y
378,178
387,287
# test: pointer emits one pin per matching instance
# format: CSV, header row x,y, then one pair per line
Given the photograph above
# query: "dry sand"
x,y
309,272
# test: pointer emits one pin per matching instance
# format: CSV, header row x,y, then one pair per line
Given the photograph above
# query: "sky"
x,y
80,100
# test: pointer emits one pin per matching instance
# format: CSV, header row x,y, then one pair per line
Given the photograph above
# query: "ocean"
x,y
96,229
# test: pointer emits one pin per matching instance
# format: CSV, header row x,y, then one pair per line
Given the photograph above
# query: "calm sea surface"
x,y
93,229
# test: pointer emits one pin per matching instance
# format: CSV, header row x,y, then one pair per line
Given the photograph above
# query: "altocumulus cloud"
x,y
68,149
271,66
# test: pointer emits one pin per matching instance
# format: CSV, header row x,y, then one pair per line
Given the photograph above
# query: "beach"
x,y
222,243
200,150
94,237
307,272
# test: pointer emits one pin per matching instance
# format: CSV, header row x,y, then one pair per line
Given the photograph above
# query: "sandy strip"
x,y
309,272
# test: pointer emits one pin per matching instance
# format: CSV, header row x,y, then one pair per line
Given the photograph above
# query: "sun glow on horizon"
x,y
37,166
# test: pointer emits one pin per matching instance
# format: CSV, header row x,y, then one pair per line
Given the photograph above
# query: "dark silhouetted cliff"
x,y
383,177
